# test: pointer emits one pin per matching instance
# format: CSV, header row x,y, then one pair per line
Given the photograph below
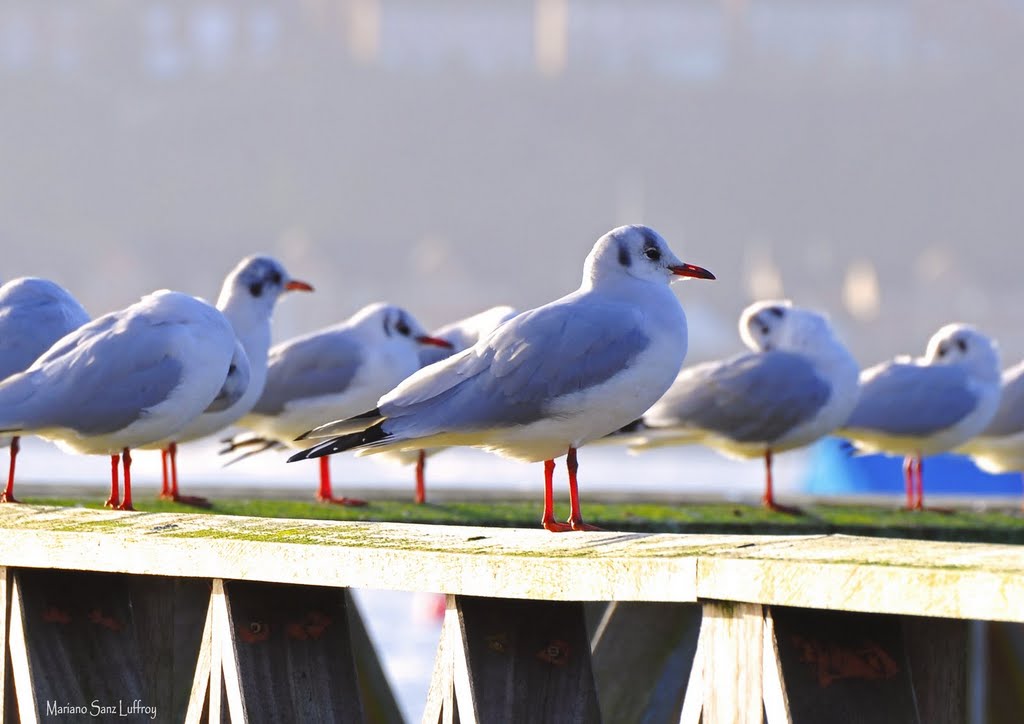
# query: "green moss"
x,y
720,518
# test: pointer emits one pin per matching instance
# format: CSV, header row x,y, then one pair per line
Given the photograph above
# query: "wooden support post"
x,y
6,702
732,647
512,660
642,656
286,653
378,699
937,654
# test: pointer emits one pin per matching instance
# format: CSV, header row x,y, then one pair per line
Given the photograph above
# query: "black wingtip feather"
x,y
369,436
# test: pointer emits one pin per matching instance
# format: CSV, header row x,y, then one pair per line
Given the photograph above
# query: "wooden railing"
x,y
119,608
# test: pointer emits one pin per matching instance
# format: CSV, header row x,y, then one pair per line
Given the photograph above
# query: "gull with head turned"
x,y
916,408
335,371
797,384
551,379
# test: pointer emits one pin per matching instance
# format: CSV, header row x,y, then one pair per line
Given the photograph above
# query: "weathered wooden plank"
x,y
642,656
848,668
465,560
198,702
378,699
693,703
6,703
292,654
920,578
523,661
28,709
937,653
776,698
441,680
732,636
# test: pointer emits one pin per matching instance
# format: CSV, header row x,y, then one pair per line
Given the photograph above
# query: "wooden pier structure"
x,y
208,618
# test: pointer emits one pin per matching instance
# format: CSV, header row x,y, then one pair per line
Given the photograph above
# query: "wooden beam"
x,y
28,711
379,703
732,647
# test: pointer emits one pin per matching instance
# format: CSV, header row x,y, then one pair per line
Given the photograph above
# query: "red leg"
x,y
165,486
919,484
324,495
194,500
548,519
575,516
769,488
8,494
114,500
421,483
126,458
908,480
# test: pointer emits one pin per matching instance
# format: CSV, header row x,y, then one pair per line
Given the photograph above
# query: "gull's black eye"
x,y
402,328
961,345
275,277
232,369
942,350
256,289
652,253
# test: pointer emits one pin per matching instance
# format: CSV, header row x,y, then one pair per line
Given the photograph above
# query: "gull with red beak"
x,y
334,372
247,299
549,380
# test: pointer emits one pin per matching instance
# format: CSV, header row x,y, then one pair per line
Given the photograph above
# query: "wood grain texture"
x,y
293,653
6,691
844,668
732,646
656,643
198,702
937,655
525,661
776,698
17,642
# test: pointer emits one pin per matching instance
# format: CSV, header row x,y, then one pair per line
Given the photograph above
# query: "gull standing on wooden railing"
x,y
551,379
34,313
798,384
462,334
247,300
916,408
333,372
127,379
999,448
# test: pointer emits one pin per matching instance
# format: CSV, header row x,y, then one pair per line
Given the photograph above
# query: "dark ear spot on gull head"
x,y
624,259
256,289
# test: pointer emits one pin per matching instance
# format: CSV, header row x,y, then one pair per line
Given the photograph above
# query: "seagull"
x,y
461,335
34,313
999,448
337,371
127,379
797,384
927,406
549,380
247,300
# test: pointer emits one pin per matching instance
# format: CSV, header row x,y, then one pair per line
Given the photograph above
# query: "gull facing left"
x,y
34,313
551,379
127,379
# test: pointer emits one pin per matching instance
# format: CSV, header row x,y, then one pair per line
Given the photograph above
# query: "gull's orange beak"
x,y
689,270
294,285
434,341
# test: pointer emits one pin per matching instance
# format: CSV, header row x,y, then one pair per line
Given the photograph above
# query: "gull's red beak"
x,y
689,270
294,285
434,341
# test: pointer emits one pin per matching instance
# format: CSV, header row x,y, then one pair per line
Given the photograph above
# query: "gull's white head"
x,y
636,252
777,324
258,281
392,326
964,345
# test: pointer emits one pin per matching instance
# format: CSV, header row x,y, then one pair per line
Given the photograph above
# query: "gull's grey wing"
x,y
514,374
310,366
34,314
749,398
913,400
96,380
1009,420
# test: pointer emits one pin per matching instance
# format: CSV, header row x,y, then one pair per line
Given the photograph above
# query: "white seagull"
x,y
551,379
247,299
337,371
34,313
127,379
999,448
462,334
916,408
798,384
